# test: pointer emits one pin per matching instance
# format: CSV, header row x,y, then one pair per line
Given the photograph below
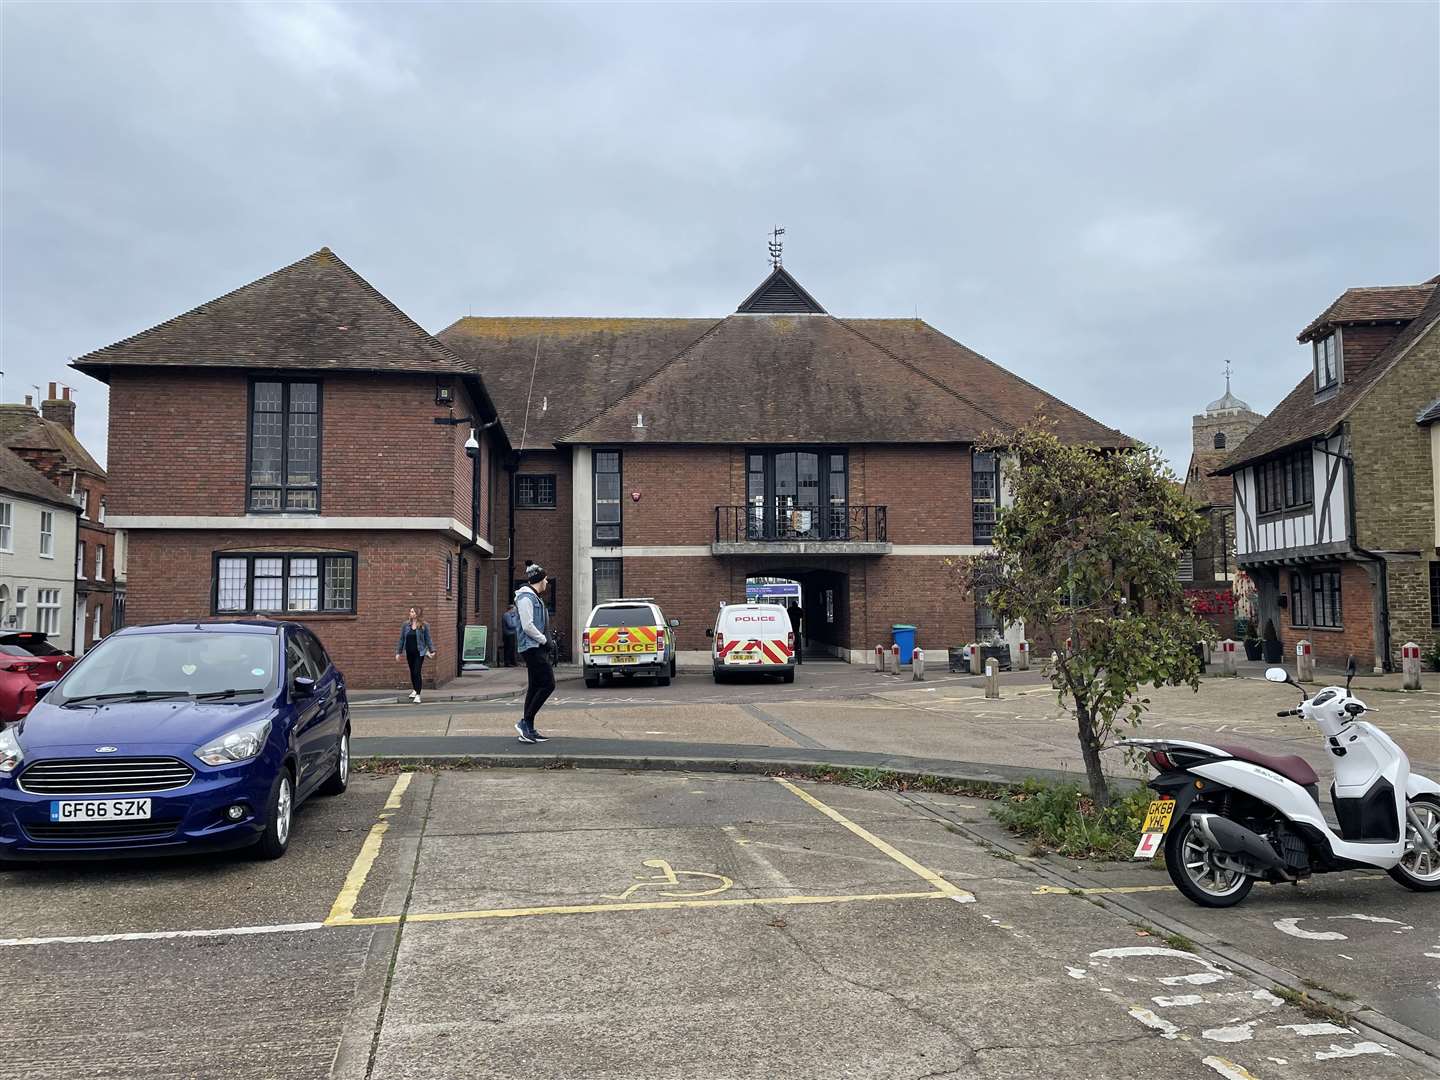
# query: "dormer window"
x,y
1219,440
1327,362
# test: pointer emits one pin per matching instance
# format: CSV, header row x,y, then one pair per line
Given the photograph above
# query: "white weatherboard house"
x,y
38,534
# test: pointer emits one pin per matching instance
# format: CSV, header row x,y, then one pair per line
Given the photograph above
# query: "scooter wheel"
x,y
1193,870
1420,870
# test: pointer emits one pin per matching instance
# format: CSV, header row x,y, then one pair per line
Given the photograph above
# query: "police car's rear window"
x,y
633,615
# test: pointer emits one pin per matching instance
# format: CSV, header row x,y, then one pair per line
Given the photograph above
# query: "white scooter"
x,y
1230,815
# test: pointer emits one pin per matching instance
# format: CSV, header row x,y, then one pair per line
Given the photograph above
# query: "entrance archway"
x,y
824,600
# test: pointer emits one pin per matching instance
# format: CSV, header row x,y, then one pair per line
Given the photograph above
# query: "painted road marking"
x,y
671,877
646,905
343,910
164,935
874,841
1292,927
1229,1069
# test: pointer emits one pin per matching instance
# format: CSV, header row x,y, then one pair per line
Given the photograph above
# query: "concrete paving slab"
x,y
699,723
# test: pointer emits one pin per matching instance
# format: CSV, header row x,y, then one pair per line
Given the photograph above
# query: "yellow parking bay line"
x,y
648,905
343,910
945,888
1055,890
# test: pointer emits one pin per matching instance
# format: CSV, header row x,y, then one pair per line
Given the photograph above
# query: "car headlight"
x,y
239,745
10,753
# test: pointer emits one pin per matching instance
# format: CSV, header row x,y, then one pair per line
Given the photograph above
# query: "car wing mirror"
x,y
710,633
674,623
44,688
303,686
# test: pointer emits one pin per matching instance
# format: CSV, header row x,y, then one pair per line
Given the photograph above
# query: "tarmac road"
x,y
530,923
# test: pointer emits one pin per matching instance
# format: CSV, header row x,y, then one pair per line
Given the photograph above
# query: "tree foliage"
x,y
1085,555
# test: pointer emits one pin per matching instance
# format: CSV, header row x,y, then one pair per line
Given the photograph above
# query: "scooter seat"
x,y
1291,766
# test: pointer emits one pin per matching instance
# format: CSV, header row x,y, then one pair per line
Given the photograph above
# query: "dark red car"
x,y
27,659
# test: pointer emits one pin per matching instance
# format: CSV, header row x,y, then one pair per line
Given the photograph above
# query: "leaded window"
x,y
285,447
607,527
299,583
535,491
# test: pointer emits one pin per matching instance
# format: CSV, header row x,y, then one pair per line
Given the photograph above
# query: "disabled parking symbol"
x,y
667,882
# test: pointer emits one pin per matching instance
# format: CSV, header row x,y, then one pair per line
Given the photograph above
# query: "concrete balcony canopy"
x,y
800,547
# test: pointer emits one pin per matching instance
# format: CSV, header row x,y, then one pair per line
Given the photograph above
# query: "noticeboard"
x,y
473,648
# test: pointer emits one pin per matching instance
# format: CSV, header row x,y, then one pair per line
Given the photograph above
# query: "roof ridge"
x,y
923,374
428,338
648,378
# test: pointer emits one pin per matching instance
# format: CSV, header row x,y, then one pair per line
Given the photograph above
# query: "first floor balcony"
x,y
785,527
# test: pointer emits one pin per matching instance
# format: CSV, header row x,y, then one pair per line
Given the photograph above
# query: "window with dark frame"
x,y
984,495
607,524
1435,595
800,494
1285,483
284,446
271,583
1325,610
1327,362
607,576
535,491
1298,613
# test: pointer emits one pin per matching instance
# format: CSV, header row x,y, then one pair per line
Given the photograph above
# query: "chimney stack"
x,y
60,410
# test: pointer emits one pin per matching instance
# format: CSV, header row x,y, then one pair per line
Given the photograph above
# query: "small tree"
x,y
1086,555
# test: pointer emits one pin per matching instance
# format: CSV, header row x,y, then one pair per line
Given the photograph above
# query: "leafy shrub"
x,y
1066,819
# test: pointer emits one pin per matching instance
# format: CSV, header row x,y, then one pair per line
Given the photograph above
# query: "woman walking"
x,y
415,646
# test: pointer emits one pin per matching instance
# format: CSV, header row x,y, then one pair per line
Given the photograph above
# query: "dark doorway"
x,y
824,608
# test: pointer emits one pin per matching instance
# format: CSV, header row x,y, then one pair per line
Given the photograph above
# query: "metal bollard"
x,y
1304,661
880,658
1228,658
975,666
1410,664
917,664
1022,656
992,678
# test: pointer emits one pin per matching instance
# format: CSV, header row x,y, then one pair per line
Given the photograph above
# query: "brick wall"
x,y
1395,484
1361,344
171,574
543,535
380,452
1357,613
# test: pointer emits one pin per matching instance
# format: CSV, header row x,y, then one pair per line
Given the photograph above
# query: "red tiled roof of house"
x,y
1383,303
18,478
317,313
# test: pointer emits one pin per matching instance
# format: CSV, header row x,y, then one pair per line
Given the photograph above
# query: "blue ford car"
x,y
167,739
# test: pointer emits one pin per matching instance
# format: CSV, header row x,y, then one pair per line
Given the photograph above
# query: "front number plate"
x,y
100,810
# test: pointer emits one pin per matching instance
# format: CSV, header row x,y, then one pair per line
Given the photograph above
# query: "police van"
x,y
626,638
752,638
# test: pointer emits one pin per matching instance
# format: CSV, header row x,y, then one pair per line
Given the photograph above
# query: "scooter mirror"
x,y
1349,673
1277,674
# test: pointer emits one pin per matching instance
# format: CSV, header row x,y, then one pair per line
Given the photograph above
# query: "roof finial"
x,y
1227,376
775,245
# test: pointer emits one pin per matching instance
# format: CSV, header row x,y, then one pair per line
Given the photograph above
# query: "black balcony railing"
x,y
782,521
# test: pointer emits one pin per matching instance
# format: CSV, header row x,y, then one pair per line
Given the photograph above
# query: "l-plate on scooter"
x,y
1231,816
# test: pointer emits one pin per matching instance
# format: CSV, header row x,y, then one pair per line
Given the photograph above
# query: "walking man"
x,y
532,641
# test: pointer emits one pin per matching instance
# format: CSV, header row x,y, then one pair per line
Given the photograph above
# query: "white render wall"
x,y
25,568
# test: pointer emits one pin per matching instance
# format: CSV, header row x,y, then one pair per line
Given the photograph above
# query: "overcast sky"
x,y
1112,202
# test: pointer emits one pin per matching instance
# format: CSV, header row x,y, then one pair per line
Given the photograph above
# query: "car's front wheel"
x,y
279,817
340,779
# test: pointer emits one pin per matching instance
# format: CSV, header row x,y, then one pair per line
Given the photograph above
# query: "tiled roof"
x,y
566,369
809,378
1384,303
1300,418
22,428
19,478
317,313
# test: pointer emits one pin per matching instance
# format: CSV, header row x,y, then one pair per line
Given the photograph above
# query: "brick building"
x,y
1335,492
678,458
1209,574
276,452
45,439
286,448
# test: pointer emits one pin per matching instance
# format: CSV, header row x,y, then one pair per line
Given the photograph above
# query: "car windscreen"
x,y
629,615
198,662
34,644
